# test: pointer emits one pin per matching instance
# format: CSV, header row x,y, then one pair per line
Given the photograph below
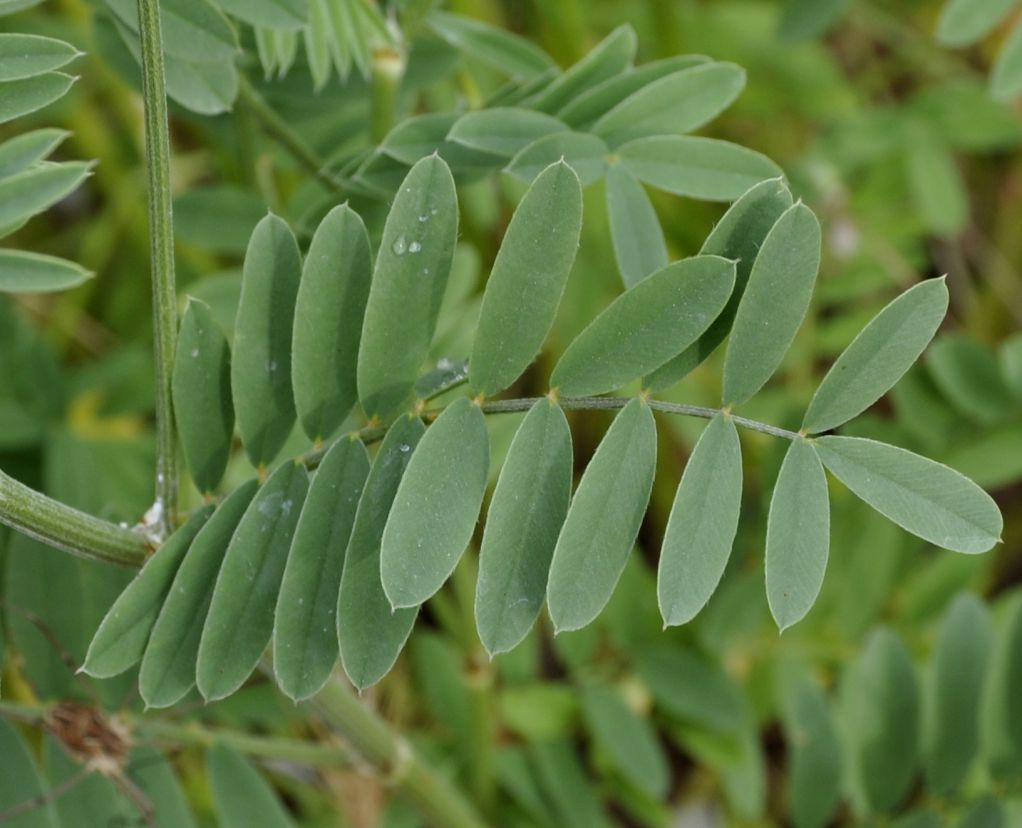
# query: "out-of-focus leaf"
x,y
774,303
703,168
563,779
240,620
1000,711
814,770
329,311
635,230
370,632
986,812
504,51
527,281
193,30
408,285
608,58
805,19
965,21
525,517
23,272
273,14
878,357
261,355
693,689
121,638
703,522
436,506
1011,363
20,783
242,797
880,706
219,218
305,622
21,97
26,55
940,198
645,326
923,497
1006,79
584,153
678,103
968,374
951,734
603,519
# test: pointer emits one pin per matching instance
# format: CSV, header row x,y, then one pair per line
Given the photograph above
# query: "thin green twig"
x,y
161,242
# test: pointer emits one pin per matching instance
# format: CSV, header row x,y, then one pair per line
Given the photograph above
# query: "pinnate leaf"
x,y
702,525
798,535
527,281
774,304
924,497
645,326
525,517
603,519
436,506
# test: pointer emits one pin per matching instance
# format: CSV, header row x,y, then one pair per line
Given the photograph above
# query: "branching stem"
x,y
161,243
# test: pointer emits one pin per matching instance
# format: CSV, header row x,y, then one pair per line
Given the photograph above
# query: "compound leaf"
x,y
408,285
329,311
261,360
702,525
305,623
922,496
645,326
527,281
436,506
798,535
240,620
525,517
775,301
603,519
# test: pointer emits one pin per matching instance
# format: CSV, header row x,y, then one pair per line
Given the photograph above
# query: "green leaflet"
x,y
370,632
202,395
739,236
418,136
526,514
584,153
92,801
779,289
20,782
965,21
503,131
591,104
878,357
504,51
193,30
242,797
408,285
808,19
702,168
645,326
273,14
1010,358
986,812
527,281
798,535
240,620
168,666
639,245
122,635
610,57
305,626
968,374
30,192
329,311
21,97
951,735
814,775
436,506
1006,78
628,738
22,151
1001,716
936,185
25,55
603,519
880,708
926,498
678,103
22,272
702,525
261,356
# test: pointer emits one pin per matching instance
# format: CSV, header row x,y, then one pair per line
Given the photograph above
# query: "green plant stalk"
x,y
403,769
161,242
56,524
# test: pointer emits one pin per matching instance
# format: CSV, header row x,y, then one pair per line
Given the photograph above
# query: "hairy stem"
x,y
280,131
52,522
161,242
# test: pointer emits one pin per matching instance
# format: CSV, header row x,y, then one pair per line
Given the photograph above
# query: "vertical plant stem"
x,y
161,243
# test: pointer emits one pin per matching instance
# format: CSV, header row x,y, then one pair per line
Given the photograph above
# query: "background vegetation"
x,y
914,169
